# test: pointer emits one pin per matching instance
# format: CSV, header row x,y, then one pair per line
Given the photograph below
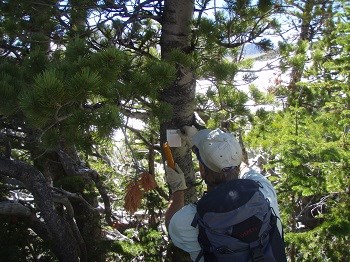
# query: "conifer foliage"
x,y
73,72
307,142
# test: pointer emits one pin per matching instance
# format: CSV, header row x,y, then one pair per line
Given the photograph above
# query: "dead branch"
x,y
35,182
14,208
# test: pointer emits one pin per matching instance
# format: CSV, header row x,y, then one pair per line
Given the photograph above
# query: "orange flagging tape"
x,y
168,155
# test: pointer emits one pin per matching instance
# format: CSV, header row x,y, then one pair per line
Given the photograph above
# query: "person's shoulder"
x,y
254,173
249,172
181,232
187,212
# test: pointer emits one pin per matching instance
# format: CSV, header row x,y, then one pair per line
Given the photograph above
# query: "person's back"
x,y
242,212
237,223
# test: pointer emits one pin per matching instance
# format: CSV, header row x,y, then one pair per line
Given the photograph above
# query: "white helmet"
x,y
217,150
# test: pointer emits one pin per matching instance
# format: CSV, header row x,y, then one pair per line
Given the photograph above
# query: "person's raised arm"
x,y
176,180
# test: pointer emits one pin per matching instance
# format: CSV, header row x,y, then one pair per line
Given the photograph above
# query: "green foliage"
x,y
258,96
60,82
106,118
265,5
35,63
234,25
152,244
120,250
151,77
12,82
36,103
222,70
308,151
163,111
208,28
76,49
78,92
310,164
176,56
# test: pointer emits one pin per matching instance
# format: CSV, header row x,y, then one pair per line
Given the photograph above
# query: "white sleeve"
x,y
266,188
182,234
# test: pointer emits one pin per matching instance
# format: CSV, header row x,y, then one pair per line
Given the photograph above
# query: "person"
x,y
220,160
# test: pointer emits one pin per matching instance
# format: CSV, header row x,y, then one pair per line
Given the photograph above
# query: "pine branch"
x,y
139,135
10,208
134,114
11,49
138,167
137,16
69,195
105,158
35,182
73,168
58,198
105,198
14,208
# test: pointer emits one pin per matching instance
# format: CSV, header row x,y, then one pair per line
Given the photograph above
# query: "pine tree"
x,y
307,148
72,71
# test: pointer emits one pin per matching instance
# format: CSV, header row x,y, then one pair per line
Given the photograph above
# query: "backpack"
x,y
236,223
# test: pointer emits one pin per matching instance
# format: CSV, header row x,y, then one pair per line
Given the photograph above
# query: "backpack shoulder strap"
x,y
277,239
200,255
195,220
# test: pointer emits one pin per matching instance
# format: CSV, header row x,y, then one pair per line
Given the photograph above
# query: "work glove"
x,y
187,133
175,178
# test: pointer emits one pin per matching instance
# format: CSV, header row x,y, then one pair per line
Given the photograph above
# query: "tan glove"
x,y
188,133
175,178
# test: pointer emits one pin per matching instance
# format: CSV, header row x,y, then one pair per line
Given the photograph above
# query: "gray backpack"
x,y
236,223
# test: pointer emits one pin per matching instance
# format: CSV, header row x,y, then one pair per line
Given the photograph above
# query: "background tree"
x,y
306,144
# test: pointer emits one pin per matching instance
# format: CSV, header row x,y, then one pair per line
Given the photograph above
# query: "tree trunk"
x,y
86,217
62,168
64,244
176,34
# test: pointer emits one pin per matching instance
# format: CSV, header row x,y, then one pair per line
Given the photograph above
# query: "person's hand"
x,y
187,133
175,178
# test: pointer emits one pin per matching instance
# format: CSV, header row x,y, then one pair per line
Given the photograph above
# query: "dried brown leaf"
x,y
133,196
147,181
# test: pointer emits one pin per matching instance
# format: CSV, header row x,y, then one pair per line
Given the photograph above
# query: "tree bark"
x,y
176,34
13,208
65,246
86,217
